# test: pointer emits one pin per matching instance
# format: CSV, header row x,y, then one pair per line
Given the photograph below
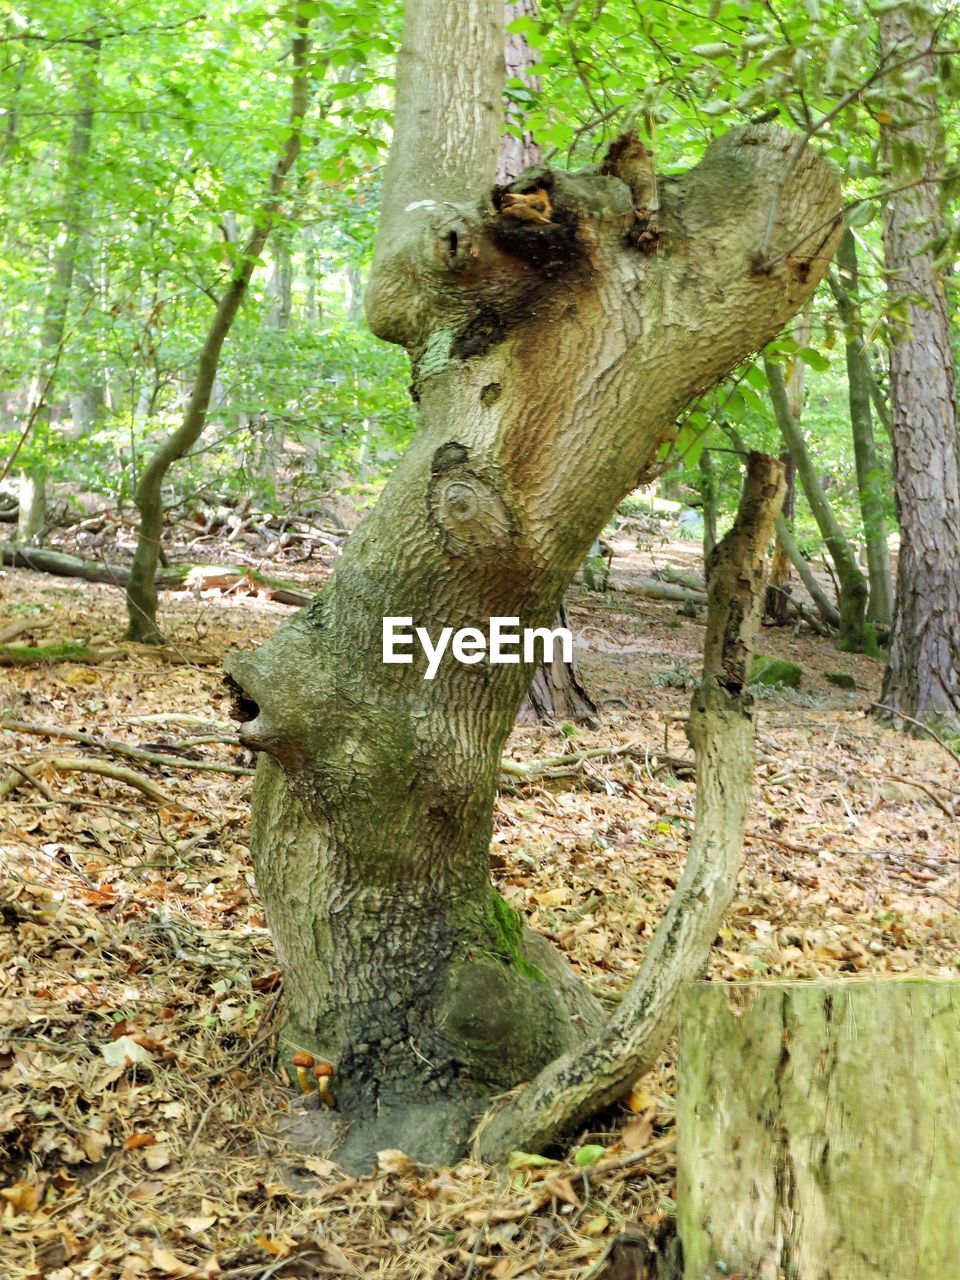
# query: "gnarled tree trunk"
x,y
552,353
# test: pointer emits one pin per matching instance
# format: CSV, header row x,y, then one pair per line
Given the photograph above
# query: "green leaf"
x,y
814,359
527,1160
583,1157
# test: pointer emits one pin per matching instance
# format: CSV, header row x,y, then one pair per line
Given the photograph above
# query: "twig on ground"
x,y
119,748
84,764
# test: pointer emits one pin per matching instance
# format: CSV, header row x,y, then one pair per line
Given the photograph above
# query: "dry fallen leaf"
x,y
167,1262
24,1196
637,1133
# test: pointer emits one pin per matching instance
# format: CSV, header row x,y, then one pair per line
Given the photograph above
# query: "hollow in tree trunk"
x,y
551,357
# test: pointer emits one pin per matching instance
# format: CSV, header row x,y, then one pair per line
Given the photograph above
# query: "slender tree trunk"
x,y
32,511
777,607
141,588
869,472
853,585
922,678
721,729
66,252
546,379
708,503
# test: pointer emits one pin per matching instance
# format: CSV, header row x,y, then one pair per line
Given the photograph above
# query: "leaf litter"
x,y
140,995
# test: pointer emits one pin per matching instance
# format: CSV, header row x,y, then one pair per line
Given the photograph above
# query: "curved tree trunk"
x,y
853,585
869,472
923,670
141,587
551,357
721,729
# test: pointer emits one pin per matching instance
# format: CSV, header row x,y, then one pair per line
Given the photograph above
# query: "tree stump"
x,y
819,1131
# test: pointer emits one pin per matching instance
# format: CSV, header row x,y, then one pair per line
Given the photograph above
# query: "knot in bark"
x,y
465,503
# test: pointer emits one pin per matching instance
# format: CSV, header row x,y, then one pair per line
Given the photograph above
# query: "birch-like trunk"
x,y
551,357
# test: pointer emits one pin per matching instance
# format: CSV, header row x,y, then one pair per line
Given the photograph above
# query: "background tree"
x,y
923,672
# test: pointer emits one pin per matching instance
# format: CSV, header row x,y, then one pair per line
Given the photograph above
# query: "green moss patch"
x,y
505,927
775,671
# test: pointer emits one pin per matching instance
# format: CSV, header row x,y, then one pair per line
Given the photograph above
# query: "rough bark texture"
x,y
853,585
777,607
817,1128
923,671
720,728
552,355
846,287
141,587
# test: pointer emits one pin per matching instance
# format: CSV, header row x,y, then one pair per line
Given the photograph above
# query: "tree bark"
x,y
778,595
922,678
721,730
817,1130
32,508
557,691
853,585
551,357
141,588
788,544
846,288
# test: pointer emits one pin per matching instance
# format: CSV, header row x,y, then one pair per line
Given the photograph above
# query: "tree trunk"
x,y
922,678
551,358
777,607
32,512
870,477
853,585
817,1129
721,730
557,692
787,543
708,503
141,589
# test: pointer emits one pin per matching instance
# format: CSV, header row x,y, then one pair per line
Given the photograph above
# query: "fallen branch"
x,y
665,591
602,1068
84,764
12,655
19,628
181,577
120,748
559,766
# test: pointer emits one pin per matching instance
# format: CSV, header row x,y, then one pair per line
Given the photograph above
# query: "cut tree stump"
x,y
819,1130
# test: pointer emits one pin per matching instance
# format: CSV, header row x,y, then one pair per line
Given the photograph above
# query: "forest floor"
x,y
139,991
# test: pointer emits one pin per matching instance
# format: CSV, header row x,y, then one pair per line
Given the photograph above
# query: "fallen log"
x,y
183,577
